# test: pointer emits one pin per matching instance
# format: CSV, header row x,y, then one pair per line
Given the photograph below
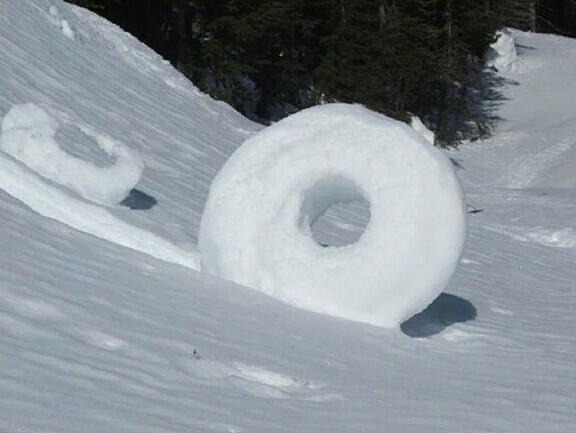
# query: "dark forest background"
x,y
269,58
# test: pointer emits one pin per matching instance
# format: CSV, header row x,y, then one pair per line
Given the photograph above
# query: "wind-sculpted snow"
x,y
256,226
50,201
96,337
29,135
47,174
300,167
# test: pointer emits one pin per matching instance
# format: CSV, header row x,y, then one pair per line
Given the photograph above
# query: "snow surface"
x,y
256,226
98,336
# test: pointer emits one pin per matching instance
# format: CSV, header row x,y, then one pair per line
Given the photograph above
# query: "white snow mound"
x,y
504,56
28,134
418,126
255,229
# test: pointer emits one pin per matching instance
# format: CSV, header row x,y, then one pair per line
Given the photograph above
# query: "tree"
x,y
395,56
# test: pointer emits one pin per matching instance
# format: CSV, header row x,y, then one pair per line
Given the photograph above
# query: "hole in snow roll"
x,y
266,203
334,212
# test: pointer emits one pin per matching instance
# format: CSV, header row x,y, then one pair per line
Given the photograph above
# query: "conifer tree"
x,y
394,56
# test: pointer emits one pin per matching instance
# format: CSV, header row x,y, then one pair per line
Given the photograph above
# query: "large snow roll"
x,y
255,229
29,135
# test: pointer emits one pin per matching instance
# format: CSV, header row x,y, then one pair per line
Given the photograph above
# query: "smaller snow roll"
x,y
29,135
255,229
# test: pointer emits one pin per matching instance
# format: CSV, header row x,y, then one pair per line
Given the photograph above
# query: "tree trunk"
x,y
533,11
181,36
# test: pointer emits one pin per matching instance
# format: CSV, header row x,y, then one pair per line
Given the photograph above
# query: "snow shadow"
x,y
484,98
521,49
445,311
138,200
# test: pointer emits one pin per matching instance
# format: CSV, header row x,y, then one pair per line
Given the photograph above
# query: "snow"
x,y
28,134
256,226
535,141
503,52
96,336
50,201
418,125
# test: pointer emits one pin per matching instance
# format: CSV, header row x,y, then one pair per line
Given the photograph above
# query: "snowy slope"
x,y
97,337
535,143
72,61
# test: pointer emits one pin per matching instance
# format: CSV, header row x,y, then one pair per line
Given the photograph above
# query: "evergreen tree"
x,y
267,42
394,56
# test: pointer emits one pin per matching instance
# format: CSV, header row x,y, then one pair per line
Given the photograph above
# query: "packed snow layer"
x,y
97,337
29,135
256,227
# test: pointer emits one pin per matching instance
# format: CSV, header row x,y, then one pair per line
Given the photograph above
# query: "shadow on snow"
x,y
138,200
445,311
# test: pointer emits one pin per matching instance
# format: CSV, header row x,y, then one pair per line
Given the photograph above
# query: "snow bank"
x,y
255,229
28,134
419,127
503,56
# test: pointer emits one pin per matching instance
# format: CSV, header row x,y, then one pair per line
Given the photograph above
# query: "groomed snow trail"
x,y
96,337
534,145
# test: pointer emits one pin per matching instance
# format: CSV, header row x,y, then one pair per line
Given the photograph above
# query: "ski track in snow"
x,y
527,168
97,337
561,238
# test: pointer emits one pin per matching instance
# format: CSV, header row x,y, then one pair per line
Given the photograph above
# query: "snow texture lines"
x,y
556,238
253,380
527,168
50,201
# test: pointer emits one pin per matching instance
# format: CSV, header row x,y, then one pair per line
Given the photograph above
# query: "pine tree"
x,y
521,14
266,42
